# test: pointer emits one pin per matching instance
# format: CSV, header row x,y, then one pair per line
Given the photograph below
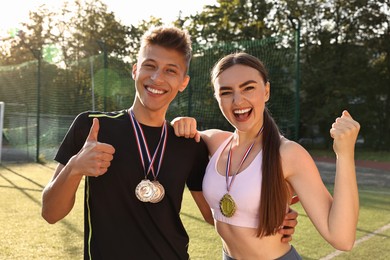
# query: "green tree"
x,y
344,46
135,33
229,21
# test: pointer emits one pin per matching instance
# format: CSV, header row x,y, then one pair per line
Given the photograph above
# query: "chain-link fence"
x,y
42,99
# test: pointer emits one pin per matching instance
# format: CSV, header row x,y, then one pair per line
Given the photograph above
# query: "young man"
x,y
135,167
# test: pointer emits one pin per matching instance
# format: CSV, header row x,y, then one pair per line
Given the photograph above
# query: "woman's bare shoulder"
x,y
215,133
295,157
289,147
214,138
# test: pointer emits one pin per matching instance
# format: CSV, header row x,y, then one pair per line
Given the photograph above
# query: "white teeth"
x,y
242,111
155,91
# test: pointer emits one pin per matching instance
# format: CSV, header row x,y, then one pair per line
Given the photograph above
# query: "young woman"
x,y
253,172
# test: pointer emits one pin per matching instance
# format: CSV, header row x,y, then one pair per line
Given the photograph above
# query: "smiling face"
x,y
241,92
159,75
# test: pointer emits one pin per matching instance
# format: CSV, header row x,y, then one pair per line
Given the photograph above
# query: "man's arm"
x,y
203,206
93,159
60,193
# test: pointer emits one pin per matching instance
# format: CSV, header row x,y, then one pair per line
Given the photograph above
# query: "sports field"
x,y
25,235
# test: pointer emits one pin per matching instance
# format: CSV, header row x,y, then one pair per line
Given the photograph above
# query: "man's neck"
x,y
147,117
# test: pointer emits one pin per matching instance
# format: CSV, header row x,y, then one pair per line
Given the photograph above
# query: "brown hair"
x,y
170,38
274,190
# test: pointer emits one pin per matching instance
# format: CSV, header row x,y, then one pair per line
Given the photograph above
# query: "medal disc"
x,y
159,194
227,205
145,190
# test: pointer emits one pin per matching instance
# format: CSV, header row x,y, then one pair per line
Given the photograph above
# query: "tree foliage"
x,y
344,49
345,58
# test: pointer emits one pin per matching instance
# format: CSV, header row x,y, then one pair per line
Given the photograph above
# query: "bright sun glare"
x,y
16,11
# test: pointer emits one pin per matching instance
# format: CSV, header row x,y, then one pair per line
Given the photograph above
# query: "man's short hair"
x,y
170,38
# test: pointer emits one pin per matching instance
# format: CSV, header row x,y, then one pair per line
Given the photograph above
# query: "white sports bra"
x,y
245,190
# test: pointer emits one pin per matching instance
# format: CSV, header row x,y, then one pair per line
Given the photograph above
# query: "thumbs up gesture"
x,y
344,132
94,158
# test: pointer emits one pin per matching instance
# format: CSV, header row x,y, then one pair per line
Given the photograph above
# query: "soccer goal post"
x,y
1,127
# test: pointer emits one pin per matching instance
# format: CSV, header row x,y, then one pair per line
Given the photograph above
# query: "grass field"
x,y
360,154
25,235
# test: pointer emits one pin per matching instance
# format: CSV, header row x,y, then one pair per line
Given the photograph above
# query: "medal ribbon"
x,y
139,132
228,162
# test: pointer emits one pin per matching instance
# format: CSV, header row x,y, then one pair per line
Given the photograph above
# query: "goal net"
x,y
1,127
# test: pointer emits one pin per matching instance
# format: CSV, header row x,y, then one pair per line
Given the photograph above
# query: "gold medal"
x,y
227,205
159,194
145,190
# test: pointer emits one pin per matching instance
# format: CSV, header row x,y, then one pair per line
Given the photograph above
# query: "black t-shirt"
x,y
117,225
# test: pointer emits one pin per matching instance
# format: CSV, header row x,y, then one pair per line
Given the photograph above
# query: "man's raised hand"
x,y
94,158
185,127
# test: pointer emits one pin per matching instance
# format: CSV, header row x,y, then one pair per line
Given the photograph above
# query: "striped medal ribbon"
x,y
226,204
147,190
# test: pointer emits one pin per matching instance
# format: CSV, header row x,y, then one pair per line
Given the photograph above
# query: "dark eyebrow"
x,y
247,83
169,65
173,65
240,86
224,88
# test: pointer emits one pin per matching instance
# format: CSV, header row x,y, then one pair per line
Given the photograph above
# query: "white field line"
x,y
360,240
375,192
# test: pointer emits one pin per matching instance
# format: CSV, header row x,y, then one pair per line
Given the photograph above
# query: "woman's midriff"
x,y
242,243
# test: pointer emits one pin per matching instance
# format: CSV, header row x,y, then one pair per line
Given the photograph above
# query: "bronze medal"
x,y
160,192
227,205
145,190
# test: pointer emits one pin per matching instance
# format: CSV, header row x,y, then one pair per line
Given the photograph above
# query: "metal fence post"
x,y
38,56
297,27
